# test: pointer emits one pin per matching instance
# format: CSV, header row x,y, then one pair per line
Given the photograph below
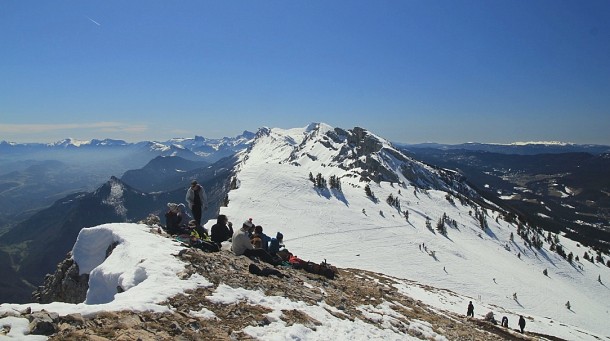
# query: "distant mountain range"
x,y
521,148
197,148
567,192
37,244
34,175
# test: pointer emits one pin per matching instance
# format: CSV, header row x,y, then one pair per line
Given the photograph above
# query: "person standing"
x,y
197,201
470,312
521,323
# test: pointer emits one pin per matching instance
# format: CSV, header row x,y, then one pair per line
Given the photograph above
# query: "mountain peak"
x,y
354,153
70,142
113,193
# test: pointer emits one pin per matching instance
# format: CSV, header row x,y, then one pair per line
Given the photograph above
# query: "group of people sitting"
x,y
249,240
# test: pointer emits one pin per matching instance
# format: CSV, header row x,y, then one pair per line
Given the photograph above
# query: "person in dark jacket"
x,y
222,230
197,201
470,312
173,219
276,243
521,323
258,233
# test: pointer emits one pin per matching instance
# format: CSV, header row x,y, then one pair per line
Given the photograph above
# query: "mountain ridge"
x,y
476,247
285,199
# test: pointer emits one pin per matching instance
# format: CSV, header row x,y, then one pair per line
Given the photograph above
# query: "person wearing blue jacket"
x,y
276,243
258,232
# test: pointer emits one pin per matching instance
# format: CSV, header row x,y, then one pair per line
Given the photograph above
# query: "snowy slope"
x,y
483,265
274,189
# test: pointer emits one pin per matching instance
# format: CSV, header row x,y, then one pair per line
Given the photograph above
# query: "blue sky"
x,y
410,71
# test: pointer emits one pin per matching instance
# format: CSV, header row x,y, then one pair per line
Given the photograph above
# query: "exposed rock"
x,y
65,285
42,323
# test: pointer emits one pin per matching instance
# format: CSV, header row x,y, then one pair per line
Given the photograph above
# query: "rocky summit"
x,y
313,302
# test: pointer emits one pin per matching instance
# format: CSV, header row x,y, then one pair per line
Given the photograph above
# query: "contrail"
x,y
95,22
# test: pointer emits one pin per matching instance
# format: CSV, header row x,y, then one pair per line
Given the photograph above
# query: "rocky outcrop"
x,y
65,285
365,142
345,297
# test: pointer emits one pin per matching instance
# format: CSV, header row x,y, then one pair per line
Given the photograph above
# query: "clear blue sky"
x,y
410,71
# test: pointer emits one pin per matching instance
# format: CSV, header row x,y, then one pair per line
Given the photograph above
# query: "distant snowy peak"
x,y
70,142
160,147
215,148
354,153
74,143
108,142
543,143
200,141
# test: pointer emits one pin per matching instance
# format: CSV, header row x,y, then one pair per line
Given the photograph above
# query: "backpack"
x,y
323,269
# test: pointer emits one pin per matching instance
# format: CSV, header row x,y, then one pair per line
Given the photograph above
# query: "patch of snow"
x,y
142,263
115,198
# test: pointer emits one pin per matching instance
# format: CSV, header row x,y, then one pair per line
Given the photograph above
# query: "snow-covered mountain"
x,y
214,149
350,197
197,148
349,228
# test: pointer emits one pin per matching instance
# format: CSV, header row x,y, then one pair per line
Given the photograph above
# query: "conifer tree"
x,y
483,222
334,182
390,199
440,226
320,182
450,199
